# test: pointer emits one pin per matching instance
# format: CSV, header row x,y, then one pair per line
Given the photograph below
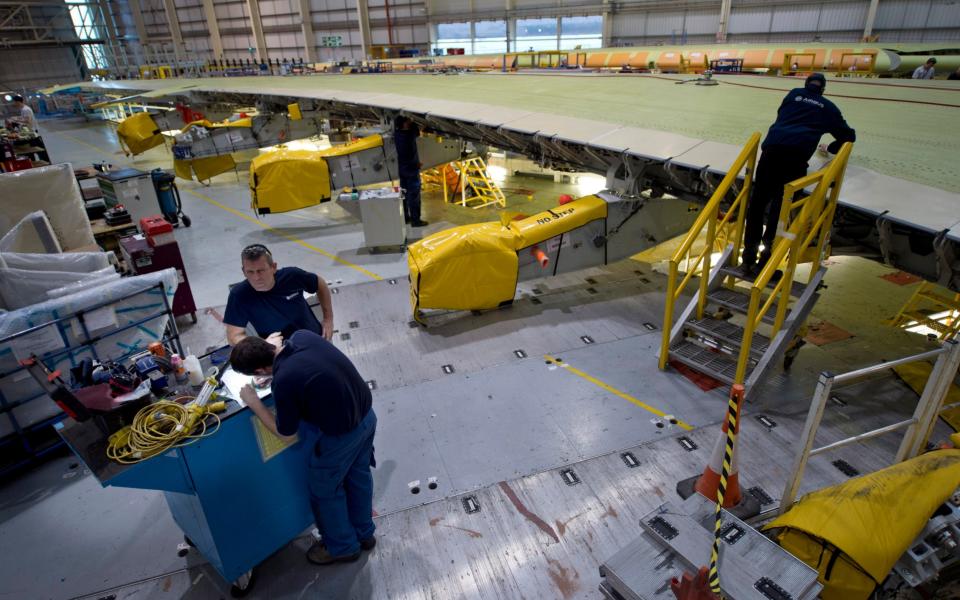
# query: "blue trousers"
x,y
341,487
411,200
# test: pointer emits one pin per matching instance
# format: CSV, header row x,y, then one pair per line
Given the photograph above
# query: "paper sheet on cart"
x,y
233,382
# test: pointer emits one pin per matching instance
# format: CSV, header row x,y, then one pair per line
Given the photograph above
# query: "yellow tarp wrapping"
x,y
364,143
244,122
287,180
183,169
464,268
210,166
853,533
203,168
553,222
474,267
139,133
916,375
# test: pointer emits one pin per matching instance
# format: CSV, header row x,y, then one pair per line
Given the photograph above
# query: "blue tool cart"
x,y
239,495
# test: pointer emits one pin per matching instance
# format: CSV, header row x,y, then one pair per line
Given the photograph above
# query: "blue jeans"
x,y
341,487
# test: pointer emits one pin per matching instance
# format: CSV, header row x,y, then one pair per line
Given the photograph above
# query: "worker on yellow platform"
x,y
271,299
803,118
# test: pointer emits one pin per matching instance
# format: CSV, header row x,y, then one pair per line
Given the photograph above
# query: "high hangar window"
x,y
453,35
84,23
586,32
536,34
490,37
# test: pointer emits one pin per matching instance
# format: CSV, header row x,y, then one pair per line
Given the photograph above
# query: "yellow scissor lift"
x,y
759,319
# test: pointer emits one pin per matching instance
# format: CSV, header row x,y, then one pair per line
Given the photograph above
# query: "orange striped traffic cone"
x,y
706,484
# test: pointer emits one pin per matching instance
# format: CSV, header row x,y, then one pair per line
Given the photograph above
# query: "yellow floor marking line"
x,y
569,368
287,236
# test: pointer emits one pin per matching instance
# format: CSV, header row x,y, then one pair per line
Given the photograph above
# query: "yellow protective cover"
x,y
364,143
210,166
553,222
285,180
139,133
464,268
474,267
203,168
868,522
183,169
244,122
916,375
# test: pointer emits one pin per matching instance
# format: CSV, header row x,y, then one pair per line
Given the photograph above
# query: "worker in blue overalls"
x,y
315,386
405,137
804,116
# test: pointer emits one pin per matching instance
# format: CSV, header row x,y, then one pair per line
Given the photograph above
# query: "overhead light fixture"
x,y
8,98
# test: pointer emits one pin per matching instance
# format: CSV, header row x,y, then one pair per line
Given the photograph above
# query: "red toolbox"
x,y
158,230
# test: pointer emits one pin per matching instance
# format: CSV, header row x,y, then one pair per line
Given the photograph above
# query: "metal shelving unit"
x,y
30,442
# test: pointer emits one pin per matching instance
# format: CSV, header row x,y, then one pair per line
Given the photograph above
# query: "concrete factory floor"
x,y
498,427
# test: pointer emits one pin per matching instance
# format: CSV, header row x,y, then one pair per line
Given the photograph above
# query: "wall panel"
x,y
795,18
702,22
845,16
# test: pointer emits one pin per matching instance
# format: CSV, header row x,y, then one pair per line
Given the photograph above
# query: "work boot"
x,y
419,223
319,555
369,543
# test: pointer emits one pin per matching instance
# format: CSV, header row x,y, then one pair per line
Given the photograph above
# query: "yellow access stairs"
x,y
475,187
933,307
736,327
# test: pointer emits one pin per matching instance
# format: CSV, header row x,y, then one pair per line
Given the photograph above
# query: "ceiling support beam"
x,y
363,19
213,28
309,39
257,25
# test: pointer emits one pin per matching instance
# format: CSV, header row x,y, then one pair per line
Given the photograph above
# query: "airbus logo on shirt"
x,y
809,101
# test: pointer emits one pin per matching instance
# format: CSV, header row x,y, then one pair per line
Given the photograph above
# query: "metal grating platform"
x,y
716,364
729,333
738,302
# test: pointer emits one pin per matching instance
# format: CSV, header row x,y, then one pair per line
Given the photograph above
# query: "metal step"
x,y
796,288
739,302
729,334
720,366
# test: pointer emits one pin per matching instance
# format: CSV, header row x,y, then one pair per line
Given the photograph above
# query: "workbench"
x,y
237,499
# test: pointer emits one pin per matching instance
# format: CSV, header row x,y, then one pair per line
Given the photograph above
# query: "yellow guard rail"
x,y
712,219
803,240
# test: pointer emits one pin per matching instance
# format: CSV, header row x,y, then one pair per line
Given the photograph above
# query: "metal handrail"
x,y
710,219
814,221
918,427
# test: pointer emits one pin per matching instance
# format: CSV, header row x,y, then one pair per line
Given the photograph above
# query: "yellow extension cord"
x,y
160,426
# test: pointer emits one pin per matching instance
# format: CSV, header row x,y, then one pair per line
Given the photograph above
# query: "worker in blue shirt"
x,y
315,386
804,116
271,299
405,137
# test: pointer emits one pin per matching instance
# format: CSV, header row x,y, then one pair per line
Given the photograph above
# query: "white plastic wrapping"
x,y
73,288
76,262
23,287
54,190
145,302
33,233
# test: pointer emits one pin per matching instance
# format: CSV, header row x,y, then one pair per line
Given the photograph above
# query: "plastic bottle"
x,y
194,372
179,372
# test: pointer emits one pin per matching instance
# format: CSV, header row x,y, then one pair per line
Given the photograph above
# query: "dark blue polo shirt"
x,y
803,118
408,158
314,382
283,308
